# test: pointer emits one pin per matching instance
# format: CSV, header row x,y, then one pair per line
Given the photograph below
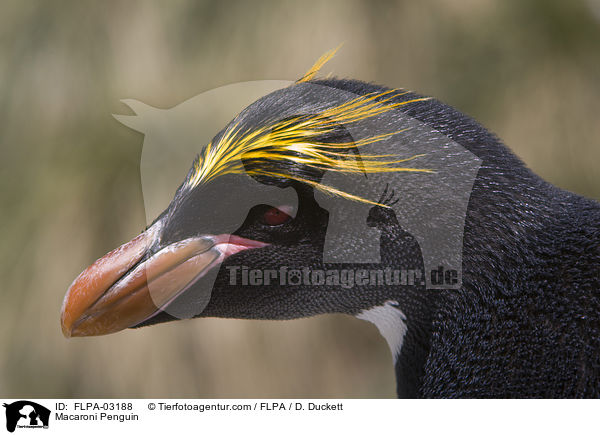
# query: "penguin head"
x,y
244,216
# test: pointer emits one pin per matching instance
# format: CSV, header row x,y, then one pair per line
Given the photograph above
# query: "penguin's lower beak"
x,y
127,285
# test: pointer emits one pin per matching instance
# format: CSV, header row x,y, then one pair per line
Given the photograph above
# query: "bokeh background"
x,y
70,178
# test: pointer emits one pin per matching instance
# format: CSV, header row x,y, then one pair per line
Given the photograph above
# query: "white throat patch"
x,y
390,321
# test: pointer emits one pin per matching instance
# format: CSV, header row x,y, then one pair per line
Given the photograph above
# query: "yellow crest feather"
x,y
326,57
295,140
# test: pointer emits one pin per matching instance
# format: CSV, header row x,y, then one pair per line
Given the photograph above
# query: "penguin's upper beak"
x,y
133,282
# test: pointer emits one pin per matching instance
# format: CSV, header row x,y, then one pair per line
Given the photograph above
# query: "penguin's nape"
x,y
524,322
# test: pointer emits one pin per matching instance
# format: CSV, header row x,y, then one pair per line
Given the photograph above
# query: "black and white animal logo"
x,y
26,414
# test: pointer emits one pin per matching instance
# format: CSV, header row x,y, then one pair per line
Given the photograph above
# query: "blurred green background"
x,y
70,178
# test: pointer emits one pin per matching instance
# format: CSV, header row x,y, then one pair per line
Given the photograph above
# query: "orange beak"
x,y
121,290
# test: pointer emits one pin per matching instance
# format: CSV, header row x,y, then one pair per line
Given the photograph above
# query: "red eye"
x,y
275,216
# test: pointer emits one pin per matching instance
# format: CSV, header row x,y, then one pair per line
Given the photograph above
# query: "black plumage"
x,y
526,322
